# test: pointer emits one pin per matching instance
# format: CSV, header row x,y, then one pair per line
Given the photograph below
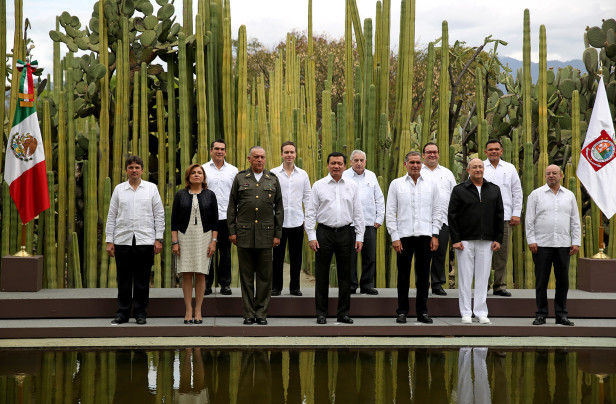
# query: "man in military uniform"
x,y
255,215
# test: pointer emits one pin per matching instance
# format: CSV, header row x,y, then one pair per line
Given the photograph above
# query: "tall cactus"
x,y
62,179
185,156
443,96
104,269
348,77
50,237
103,121
242,96
526,84
202,140
542,88
144,130
3,75
482,126
426,120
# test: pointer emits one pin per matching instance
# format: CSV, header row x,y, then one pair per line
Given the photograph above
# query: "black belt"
x,y
336,229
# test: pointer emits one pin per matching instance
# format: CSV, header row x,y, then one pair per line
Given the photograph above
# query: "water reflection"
x,y
198,375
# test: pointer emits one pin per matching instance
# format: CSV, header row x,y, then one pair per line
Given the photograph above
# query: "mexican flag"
x,y
24,169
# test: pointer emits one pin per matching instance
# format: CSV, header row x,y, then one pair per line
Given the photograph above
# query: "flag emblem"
x,y
23,146
600,151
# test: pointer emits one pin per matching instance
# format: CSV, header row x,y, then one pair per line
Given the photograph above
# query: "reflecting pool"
x,y
200,375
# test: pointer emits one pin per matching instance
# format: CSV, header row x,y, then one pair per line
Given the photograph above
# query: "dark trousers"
x,y
295,237
255,262
438,274
342,243
543,259
223,252
368,261
134,264
420,247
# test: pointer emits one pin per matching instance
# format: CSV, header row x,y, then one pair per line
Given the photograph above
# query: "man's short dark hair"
x,y
133,160
218,141
430,144
494,141
336,154
288,143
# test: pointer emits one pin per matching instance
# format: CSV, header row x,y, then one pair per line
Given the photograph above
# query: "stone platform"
x,y
65,313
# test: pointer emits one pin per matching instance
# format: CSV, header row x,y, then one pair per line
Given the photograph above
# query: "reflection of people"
x,y
478,390
255,384
131,378
295,186
336,206
476,230
255,217
553,232
413,221
445,180
373,205
504,175
194,231
135,229
220,175
192,389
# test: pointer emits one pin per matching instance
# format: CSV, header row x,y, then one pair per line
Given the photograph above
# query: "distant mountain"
x,y
515,64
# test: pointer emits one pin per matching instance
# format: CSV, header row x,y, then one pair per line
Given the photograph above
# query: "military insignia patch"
x,y
600,151
23,146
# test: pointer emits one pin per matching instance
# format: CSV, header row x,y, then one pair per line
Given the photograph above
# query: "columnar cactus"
x,y
443,96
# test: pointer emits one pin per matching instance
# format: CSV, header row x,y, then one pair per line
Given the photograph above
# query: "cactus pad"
x,y
596,37
165,12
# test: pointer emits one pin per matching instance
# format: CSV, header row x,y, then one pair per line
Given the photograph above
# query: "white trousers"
x,y
474,260
469,391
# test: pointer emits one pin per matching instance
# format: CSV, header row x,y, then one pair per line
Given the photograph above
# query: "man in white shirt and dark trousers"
x,y
220,176
295,186
373,206
553,232
445,180
134,233
336,207
476,230
504,175
413,221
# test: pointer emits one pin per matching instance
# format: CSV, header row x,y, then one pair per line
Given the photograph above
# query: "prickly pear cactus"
x,y
150,33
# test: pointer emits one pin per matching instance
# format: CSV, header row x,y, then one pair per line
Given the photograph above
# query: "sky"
x,y
469,21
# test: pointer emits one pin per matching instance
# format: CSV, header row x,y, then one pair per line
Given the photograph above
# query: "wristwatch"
x,y
175,242
160,240
215,240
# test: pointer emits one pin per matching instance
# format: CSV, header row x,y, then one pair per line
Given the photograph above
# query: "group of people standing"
x,y
262,212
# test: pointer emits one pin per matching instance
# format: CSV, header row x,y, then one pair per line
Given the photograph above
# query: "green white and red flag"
x,y
24,169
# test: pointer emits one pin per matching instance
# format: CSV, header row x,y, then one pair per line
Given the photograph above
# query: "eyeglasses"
x,y
430,152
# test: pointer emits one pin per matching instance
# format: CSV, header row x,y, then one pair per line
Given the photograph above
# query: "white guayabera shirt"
x,y
295,191
552,220
135,212
220,181
372,199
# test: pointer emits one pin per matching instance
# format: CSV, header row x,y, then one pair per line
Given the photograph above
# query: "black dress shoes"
x,y
296,292
424,318
208,291
321,320
370,291
539,320
225,290
141,320
275,292
563,321
118,320
502,292
401,319
345,319
249,321
439,292
261,321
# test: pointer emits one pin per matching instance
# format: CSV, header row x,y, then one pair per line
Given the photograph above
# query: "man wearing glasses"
x,y
445,180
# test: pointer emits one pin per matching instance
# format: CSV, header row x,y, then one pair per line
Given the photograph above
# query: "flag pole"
x,y
601,255
24,234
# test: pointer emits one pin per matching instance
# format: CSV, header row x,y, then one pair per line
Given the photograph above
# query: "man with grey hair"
x,y
255,216
413,221
373,207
